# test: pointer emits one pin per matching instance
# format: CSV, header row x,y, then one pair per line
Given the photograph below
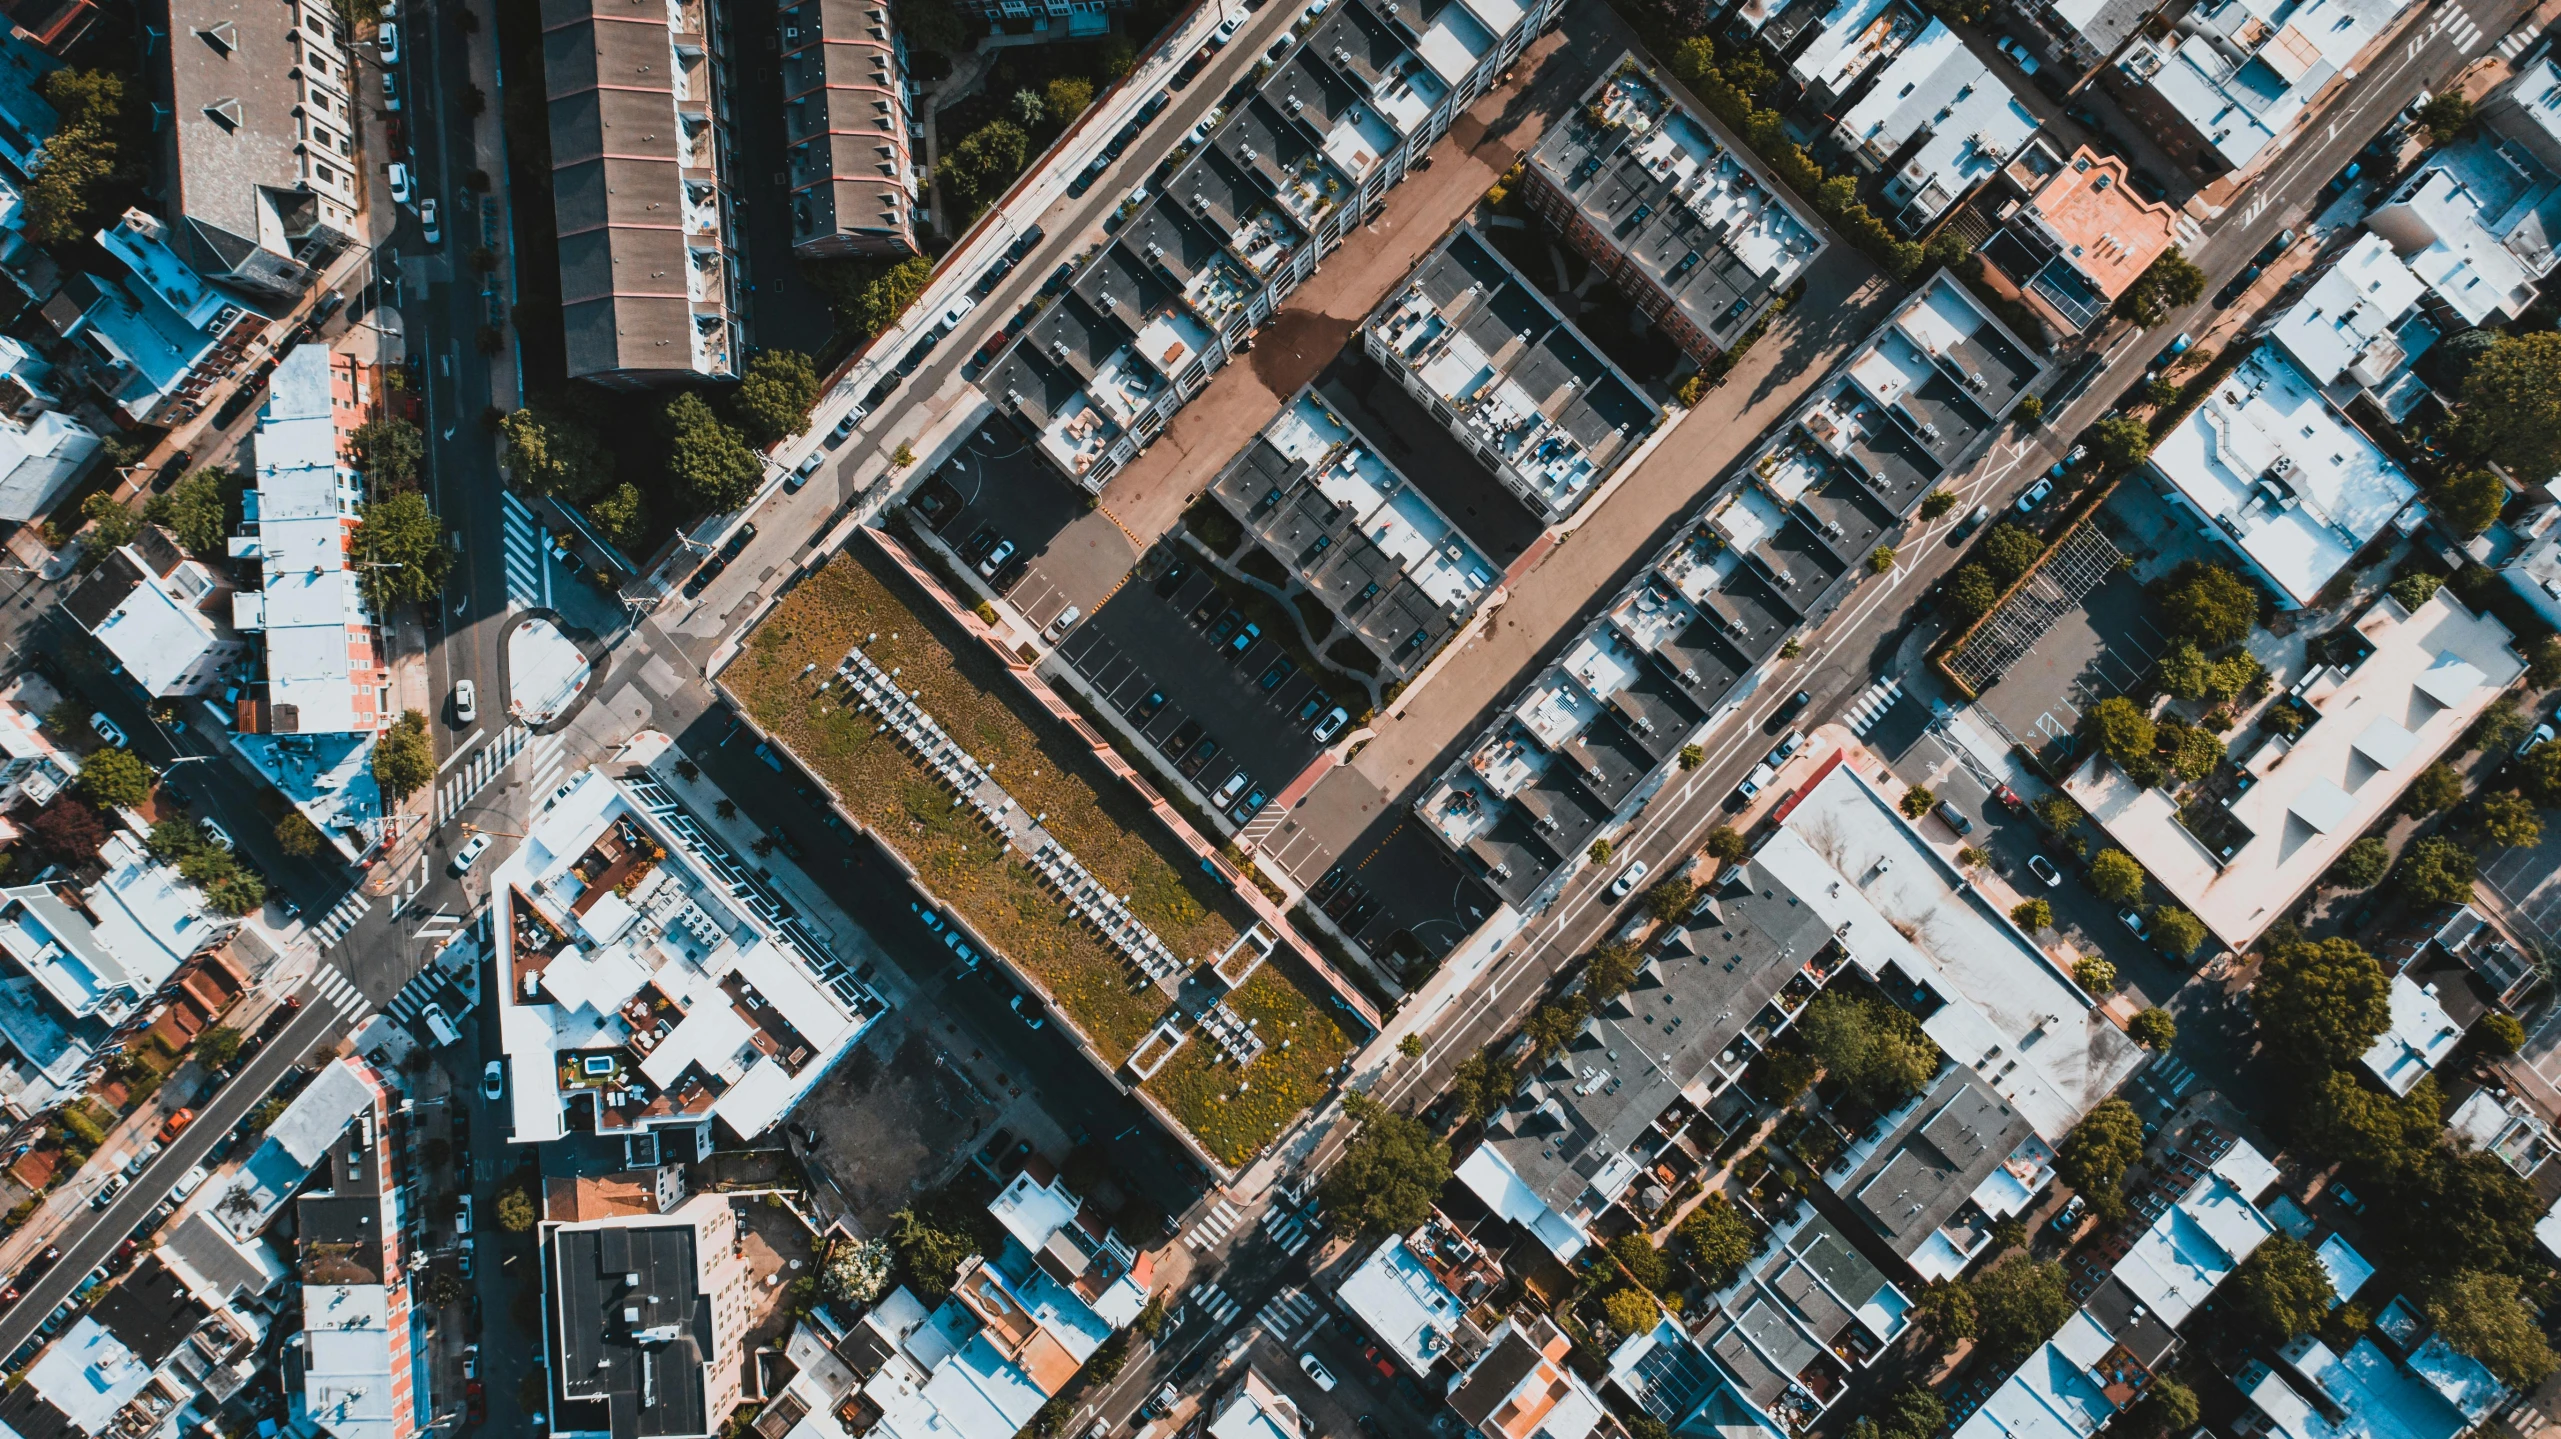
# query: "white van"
x,y
439,1026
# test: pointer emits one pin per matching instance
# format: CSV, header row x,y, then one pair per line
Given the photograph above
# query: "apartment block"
x,y
2476,221
2360,327
149,1357
1829,46
2227,85
1681,218
2079,235
2383,699
1244,220
1784,538
651,981
1082,19
257,142
33,769
164,617
1522,1388
359,1363
645,1321
848,118
155,332
1939,122
649,281
1807,1313
1949,1166
43,451
2083,33
1537,403
1414,1290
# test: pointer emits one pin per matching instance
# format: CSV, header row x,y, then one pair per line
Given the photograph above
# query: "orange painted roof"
x,y
2118,232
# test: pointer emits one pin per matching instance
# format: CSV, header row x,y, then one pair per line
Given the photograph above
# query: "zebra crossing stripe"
x,y
1872,704
1287,1230
477,772
1287,1312
524,548
1213,1227
544,758
1216,1303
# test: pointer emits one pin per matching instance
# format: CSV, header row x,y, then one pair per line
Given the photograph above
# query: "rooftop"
x,y
325,670
2240,72
2348,325
2293,806
2417,1040
1966,119
632,1327
1407,1299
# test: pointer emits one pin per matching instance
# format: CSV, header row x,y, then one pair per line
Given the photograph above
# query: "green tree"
x,y
2172,282
2184,670
2032,915
400,547
2506,818
2019,1303
79,159
1719,1240
111,525
2194,751
403,761
1875,1052
2500,1033
298,836
1067,96
888,294
1630,1311
1880,559
2543,664
973,172
2153,1028
2281,1289
2486,1316
2210,605
934,25
2540,774
1389,1174
115,778
2320,1003
553,452
516,1210
2176,931
1643,1262
2372,1133
1482,1084
2415,588
1608,973
2436,787
2445,116
2101,1148
709,461
1946,1315
2361,865
217,1046
2009,549
202,510
773,402
2436,870
2511,411
932,1245
1725,842
2122,731
1937,503
445,1289
621,515
1665,901
2469,500
2120,441
2169,1407
2116,877
1916,801
389,451
2095,973
2453,1210
1971,593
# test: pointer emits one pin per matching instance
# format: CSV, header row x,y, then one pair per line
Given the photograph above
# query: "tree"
x,y
709,462
2121,729
2361,865
2511,411
934,25
2372,1133
932,1245
974,171
1066,97
67,831
2320,1003
202,510
2008,551
1725,842
2184,670
1027,108
78,159
1946,1314
2281,1289
2194,750
389,451
2019,1303
621,515
888,294
1971,593
298,836
2210,605
2169,1406
2176,931
1630,1311
2469,500
2414,589
2436,870
2172,282
2540,774
2543,663
1875,1052
2032,915
1913,1413
2120,441
2116,878
552,452
1643,1262
1482,1083
1880,559
400,545
1937,503
1608,973
111,525
217,1046
2507,819
1916,801
1665,901
2101,1148
516,1210
1720,1241
2445,116
2486,1316
773,402
2153,1028
2095,973
403,761
2500,1033
115,779
445,1289
1389,1174
2454,1210
2436,787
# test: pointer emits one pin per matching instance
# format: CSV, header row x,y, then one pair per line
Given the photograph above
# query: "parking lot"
x,y
996,491
1213,688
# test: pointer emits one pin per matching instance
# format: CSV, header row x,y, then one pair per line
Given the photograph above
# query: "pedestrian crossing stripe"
x,y
2466,32
339,991
460,788
1872,704
1216,1303
543,760
333,926
524,547
1213,1227
1287,1313
2516,43
1289,1231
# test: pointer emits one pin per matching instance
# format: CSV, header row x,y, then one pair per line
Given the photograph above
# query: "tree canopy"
x,y
2468,500
1389,1174
1719,1240
2486,1316
2009,549
2372,1133
708,460
773,402
2511,411
2101,1148
2506,818
389,450
2320,1003
621,515
2177,931
975,171
2436,870
2154,1028
1481,1084
2281,1289
2434,788
403,761
2171,282
2122,730
111,525
2361,865
2019,1304
1971,593
553,452
1875,1052
79,160
115,778
1946,1314
401,546
202,510
2210,605
2120,441
2116,877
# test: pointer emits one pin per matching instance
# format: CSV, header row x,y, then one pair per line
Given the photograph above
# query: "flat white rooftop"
x,y
2417,1040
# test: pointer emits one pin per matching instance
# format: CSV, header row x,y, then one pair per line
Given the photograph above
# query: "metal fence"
x,y
2080,563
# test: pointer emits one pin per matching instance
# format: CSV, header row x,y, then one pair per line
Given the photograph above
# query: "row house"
x,y
1939,122
849,120
1255,205
155,333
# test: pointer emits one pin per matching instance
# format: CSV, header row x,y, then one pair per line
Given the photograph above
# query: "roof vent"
x,y
226,113
223,36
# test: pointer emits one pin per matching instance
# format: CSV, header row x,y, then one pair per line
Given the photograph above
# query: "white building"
x,y
1414,1292
2383,703
163,617
650,980
2360,327
1950,118
33,769
2271,468
43,452
2477,221
2417,1040
2233,78
361,1375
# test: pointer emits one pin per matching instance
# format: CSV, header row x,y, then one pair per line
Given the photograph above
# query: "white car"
x,y
800,474
427,227
2542,732
2044,869
1324,1377
471,851
845,427
386,43
466,701
996,558
462,1216
952,316
493,1080
1227,29
106,730
1227,792
216,833
390,90
399,175
1066,621
1331,725
1628,879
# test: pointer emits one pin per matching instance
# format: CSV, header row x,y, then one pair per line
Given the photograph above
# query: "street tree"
x,y
772,403
2008,551
2019,1303
2032,915
1971,592
389,451
1482,1083
2177,931
115,778
403,761
1946,1315
298,836
2116,877
2543,663
2372,1133
2153,1028
516,1210
2361,865
2511,410
2170,282
2282,1290
400,548
2320,1003
202,510
2436,787
2101,1148
1389,1174
973,172
2486,1316
2436,870
553,452
2122,730
111,525
2120,441
709,461
2507,819
621,515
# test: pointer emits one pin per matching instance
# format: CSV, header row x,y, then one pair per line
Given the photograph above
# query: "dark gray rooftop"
x,y
606,1331
1925,1171
1119,283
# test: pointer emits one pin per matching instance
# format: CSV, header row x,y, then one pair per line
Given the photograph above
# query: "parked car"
x,y
106,729
800,474
2541,733
1314,1370
493,1080
466,701
386,42
1245,638
1787,746
2036,495
2132,919
1970,523
427,227
107,1192
2268,252
1953,818
1628,879
470,853
2069,1217
2044,869
1331,725
2017,54
1065,621
216,833
845,427
996,558
1795,705
399,183
176,1124
1228,792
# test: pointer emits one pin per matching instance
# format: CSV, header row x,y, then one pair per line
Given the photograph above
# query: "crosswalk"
x,y
525,543
1217,1304
545,757
2168,1078
335,988
2517,41
2190,234
1289,1230
1288,1312
333,926
2461,28
1872,704
427,986
476,771
1213,1228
